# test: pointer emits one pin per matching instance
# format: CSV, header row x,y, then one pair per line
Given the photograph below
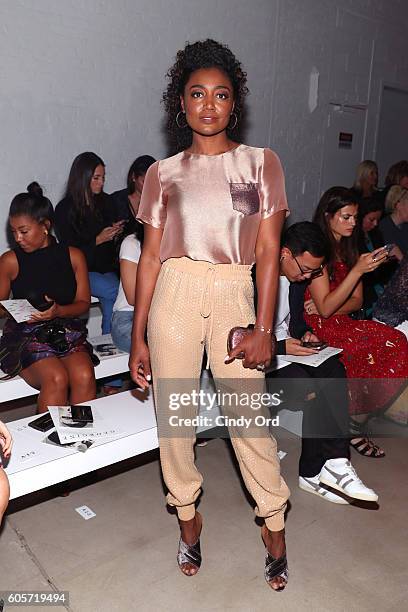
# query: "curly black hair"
x,y
202,54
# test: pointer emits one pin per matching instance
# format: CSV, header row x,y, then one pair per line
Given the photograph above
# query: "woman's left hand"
x,y
310,307
259,349
47,315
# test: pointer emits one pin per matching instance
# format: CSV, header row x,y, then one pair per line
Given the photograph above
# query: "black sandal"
x,y
276,568
362,443
366,447
189,554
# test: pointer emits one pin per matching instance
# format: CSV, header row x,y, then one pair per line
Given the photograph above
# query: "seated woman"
x,y
126,201
370,350
50,351
86,219
370,238
365,184
392,306
397,175
128,257
394,227
5,443
392,309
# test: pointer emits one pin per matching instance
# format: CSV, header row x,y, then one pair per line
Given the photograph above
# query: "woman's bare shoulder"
x,y
8,262
9,265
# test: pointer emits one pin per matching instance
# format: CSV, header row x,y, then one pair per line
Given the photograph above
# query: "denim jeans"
x,y
105,288
122,329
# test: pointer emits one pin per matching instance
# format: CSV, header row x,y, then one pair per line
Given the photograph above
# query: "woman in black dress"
x,y
50,351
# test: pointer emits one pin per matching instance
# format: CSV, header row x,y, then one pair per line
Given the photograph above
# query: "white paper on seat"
x,y
313,360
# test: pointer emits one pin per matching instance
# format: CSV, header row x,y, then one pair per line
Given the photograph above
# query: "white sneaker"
x,y
340,474
311,485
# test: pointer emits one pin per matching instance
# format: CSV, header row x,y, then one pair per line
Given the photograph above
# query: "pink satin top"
x,y
210,206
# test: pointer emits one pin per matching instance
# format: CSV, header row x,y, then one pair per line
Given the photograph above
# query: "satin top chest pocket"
x,y
245,197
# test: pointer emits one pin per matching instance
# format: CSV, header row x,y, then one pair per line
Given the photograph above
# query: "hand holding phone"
x,y
382,253
320,345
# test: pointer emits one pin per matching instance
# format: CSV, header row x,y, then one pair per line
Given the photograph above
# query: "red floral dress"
x,y
375,355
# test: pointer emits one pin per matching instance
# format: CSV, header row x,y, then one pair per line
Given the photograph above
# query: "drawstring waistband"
x,y
206,298
209,272
206,306
199,268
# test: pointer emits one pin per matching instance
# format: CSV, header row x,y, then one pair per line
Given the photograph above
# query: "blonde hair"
x,y
364,168
396,194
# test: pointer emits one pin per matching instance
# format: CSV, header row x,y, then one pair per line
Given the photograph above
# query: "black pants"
x,y
325,418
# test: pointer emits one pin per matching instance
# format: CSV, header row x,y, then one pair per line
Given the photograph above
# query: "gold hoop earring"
x,y
232,127
181,127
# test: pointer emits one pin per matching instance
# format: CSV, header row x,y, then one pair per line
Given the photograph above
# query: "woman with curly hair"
x,y
209,212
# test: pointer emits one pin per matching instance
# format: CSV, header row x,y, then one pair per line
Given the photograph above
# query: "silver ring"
x,y
374,259
260,367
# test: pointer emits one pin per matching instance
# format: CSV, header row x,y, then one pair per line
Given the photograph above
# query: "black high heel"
x,y
363,444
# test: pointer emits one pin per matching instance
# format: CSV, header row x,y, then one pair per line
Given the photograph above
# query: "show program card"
x,y
313,360
20,310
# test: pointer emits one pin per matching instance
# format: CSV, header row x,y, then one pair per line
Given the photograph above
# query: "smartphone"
x,y
43,423
388,247
81,414
316,345
43,306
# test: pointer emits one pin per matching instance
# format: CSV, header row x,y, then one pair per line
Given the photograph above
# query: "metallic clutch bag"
x,y
236,334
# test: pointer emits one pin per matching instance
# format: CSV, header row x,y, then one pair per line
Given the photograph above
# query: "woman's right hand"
x,y
368,262
107,234
139,365
295,347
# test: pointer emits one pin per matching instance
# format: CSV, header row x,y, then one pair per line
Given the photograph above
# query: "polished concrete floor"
x,y
342,558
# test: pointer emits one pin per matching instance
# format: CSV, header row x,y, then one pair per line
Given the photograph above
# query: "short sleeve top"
x,y
210,206
129,250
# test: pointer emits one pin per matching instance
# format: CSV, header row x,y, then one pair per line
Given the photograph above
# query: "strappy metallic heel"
x,y
189,554
276,568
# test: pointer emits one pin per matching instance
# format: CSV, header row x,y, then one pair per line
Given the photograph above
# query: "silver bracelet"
x,y
263,329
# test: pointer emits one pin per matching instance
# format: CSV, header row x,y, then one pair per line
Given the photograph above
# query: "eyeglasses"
x,y
311,273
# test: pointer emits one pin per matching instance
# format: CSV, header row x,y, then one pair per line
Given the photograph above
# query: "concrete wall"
x,y
88,75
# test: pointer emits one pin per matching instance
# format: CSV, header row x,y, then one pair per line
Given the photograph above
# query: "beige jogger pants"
x,y
194,306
